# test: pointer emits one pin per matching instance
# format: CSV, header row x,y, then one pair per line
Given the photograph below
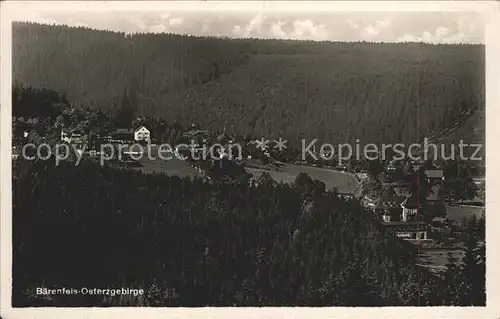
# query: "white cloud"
x,y
297,30
407,38
277,30
138,22
352,24
441,32
32,16
158,28
205,27
165,25
456,38
237,30
372,31
306,29
466,26
253,28
255,24
176,22
440,35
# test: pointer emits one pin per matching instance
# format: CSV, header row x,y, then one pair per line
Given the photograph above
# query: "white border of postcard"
x,y
17,10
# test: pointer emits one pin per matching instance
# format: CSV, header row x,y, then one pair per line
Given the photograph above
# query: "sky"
x,y
379,26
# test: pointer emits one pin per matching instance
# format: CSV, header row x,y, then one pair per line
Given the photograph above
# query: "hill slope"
x,y
333,98
335,92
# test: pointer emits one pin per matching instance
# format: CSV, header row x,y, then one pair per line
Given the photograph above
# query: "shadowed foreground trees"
x,y
188,243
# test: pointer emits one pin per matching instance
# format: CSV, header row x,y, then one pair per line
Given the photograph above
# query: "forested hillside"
x,y
332,91
200,244
374,96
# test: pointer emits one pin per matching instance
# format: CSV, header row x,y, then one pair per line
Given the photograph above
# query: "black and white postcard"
x,y
249,159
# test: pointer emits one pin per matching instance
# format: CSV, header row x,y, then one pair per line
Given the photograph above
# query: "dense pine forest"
x,y
191,243
336,92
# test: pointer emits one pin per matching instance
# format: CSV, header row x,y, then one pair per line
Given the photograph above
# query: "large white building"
x,y
142,134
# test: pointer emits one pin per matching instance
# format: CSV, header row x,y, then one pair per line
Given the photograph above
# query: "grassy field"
x,y
460,212
173,166
344,182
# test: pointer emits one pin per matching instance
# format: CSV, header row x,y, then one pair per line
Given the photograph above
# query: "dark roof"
x,y
77,130
403,223
343,193
73,130
439,219
435,193
195,132
385,201
223,136
455,223
139,127
124,131
410,202
397,199
400,191
434,173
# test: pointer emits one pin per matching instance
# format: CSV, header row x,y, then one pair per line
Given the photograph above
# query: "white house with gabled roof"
x,y
142,134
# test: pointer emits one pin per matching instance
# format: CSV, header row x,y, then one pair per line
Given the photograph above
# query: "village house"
x,y
195,137
74,136
386,207
441,225
65,134
78,136
393,165
458,228
479,181
142,134
410,209
434,176
436,195
398,216
401,190
15,152
361,176
407,230
347,196
190,142
224,138
122,135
